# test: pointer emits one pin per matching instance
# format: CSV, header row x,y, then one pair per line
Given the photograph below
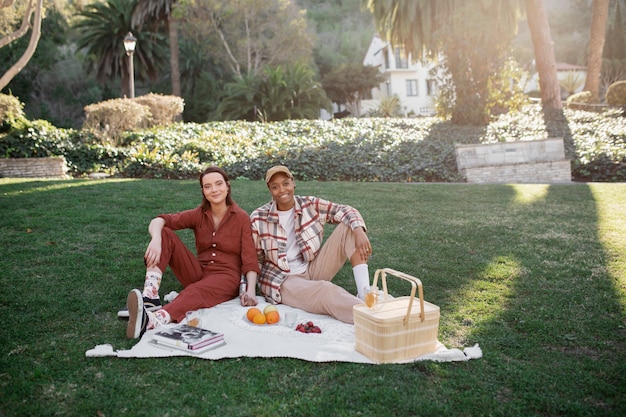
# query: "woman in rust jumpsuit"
x,y
224,249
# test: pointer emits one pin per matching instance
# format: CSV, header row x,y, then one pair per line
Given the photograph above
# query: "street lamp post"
x,y
129,45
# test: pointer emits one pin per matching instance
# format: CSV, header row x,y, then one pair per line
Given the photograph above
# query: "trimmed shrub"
x,y
110,118
580,101
616,94
164,109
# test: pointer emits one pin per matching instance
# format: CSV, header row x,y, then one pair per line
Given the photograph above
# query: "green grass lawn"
x,y
536,274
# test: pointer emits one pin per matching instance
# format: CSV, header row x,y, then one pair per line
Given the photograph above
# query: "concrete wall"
x,y
53,167
540,161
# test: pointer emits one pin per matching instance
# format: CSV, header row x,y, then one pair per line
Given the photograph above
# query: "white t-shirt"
x,y
297,264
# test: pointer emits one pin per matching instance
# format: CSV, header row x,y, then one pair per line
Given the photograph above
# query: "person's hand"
x,y
153,253
247,299
362,244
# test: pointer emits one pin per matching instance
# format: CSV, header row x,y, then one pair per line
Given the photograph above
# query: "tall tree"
x,y
103,27
544,56
161,10
32,9
348,84
599,13
247,34
455,29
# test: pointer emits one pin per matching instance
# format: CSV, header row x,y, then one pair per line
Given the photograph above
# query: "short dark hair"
x,y
205,204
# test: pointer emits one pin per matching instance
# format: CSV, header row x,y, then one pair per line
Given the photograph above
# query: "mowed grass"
x,y
535,274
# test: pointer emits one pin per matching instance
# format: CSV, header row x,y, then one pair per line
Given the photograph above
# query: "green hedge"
x,y
365,149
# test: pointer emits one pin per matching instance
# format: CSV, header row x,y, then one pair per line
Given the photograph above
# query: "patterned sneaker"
x,y
151,304
137,315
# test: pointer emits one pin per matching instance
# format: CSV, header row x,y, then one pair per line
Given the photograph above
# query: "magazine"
x,y
187,337
199,351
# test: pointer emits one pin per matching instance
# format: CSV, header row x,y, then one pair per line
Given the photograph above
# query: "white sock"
x,y
158,318
151,285
361,278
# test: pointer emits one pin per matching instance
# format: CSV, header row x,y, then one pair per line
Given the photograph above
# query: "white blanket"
x,y
335,343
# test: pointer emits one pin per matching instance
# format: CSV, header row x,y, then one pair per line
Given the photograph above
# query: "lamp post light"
x,y
129,45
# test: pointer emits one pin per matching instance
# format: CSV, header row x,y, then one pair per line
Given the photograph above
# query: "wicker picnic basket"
x,y
395,331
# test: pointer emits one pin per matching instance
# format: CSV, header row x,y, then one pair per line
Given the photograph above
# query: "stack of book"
x,y
188,338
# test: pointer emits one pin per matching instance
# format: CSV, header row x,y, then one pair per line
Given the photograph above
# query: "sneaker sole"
x,y
135,304
123,314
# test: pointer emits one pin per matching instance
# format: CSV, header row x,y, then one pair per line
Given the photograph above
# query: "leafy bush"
x,y
278,94
356,149
600,143
36,139
616,94
505,90
11,112
388,107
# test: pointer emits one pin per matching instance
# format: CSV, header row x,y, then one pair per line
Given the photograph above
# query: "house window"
x,y
411,88
431,87
401,61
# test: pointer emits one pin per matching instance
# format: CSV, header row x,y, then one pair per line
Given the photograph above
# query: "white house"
x,y
416,88
410,81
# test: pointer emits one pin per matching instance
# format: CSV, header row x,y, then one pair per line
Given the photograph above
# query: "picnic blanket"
x,y
245,339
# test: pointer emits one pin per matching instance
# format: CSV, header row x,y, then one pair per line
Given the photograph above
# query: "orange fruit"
x,y
272,317
252,312
259,318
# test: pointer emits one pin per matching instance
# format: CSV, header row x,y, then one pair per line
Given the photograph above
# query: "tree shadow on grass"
x,y
522,271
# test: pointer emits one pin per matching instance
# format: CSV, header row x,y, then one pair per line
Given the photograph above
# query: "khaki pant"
x,y
313,290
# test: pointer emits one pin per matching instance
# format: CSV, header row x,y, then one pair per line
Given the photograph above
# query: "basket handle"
x,y
415,282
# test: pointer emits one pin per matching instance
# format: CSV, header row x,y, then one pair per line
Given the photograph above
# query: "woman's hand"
x,y
248,299
153,253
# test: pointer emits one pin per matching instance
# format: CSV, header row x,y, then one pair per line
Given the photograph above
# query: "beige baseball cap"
x,y
276,170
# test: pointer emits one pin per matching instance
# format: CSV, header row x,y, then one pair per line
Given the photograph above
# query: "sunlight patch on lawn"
x,y
483,298
611,209
530,193
52,185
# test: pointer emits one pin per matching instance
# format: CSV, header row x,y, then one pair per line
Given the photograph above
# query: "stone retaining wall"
x,y
537,161
53,167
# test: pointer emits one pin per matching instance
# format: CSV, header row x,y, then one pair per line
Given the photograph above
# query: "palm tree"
x,y
456,30
161,10
435,26
103,27
599,16
277,94
544,57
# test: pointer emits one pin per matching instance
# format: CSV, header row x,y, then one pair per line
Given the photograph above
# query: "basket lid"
x,y
396,308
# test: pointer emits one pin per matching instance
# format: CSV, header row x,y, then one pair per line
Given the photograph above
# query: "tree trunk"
x,y
544,56
599,16
174,64
30,50
23,29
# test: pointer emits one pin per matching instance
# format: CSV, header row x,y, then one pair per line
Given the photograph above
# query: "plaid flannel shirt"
x,y
270,239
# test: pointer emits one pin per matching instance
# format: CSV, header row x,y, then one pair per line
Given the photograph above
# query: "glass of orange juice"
x,y
371,296
194,319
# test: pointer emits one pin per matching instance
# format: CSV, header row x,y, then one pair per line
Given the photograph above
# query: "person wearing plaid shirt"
x,y
296,269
